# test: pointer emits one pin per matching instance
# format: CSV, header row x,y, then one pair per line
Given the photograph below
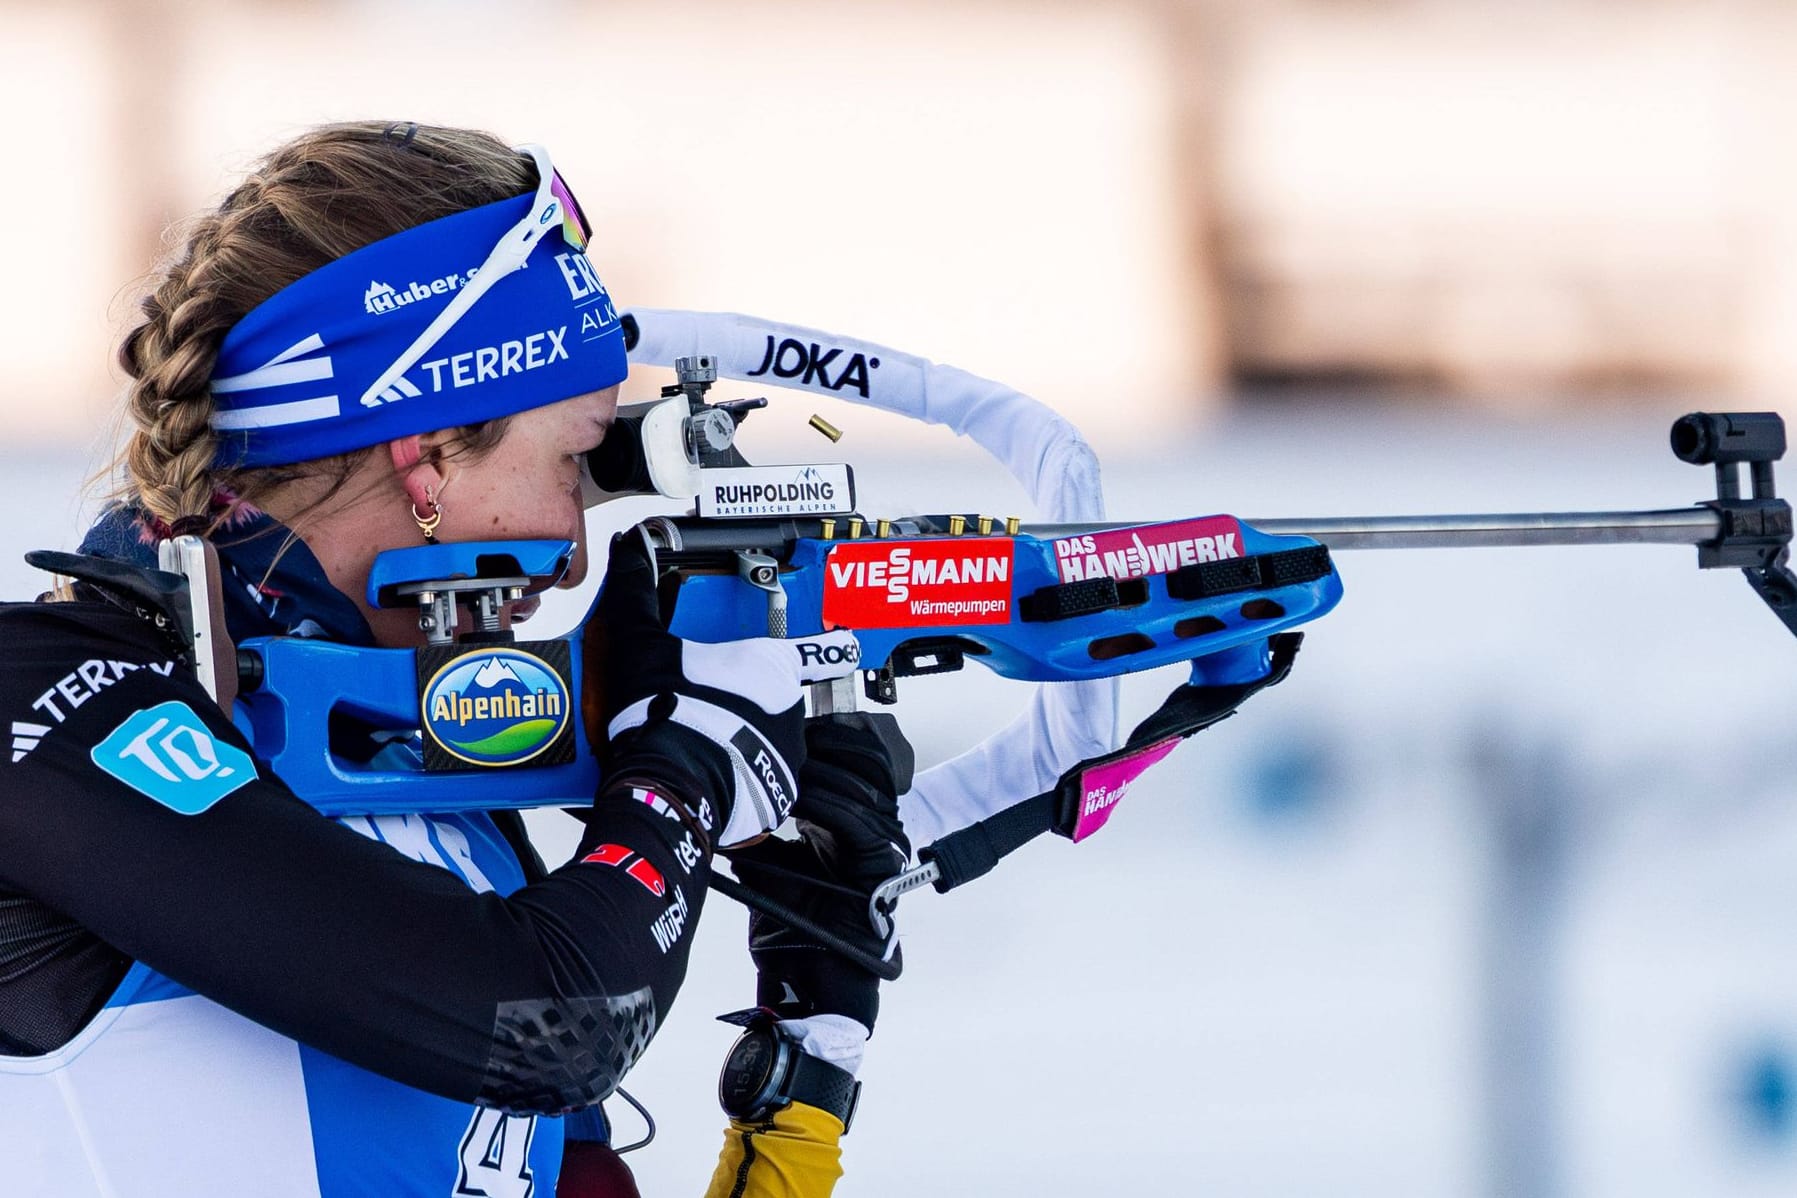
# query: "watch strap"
x,y
831,1088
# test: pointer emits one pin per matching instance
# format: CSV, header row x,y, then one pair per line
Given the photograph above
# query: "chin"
x,y
577,569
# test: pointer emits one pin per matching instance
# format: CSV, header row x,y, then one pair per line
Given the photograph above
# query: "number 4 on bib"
x,y
496,1156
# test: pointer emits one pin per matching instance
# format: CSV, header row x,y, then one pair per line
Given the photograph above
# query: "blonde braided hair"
x,y
320,196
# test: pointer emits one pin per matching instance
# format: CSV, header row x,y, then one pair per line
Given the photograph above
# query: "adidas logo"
x,y
25,737
401,389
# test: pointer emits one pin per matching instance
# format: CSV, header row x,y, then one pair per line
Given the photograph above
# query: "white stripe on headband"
x,y
279,371
269,415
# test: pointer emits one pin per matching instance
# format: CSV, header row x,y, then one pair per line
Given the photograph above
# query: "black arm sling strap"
x,y
964,855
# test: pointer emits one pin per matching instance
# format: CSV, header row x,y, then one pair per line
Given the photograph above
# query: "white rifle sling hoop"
x,y
1065,723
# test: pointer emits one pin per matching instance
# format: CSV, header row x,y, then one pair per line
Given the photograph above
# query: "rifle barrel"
x,y
1673,526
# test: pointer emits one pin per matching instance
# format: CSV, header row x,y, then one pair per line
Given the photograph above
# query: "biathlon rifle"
x,y
784,551
1098,599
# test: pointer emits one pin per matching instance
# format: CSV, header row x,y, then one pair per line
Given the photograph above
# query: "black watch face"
x,y
748,1070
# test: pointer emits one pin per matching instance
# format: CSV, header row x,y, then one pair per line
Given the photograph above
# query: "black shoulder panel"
x,y
556,1055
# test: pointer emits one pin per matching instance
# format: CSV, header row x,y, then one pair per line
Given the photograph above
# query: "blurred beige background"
x,y
1135,209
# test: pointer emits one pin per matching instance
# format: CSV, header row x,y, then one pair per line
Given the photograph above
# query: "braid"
x,y
321,196
170,357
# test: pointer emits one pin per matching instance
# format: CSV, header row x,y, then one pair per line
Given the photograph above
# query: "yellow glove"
x,y
794,1154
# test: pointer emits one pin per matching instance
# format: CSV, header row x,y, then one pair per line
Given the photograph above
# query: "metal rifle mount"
x,y
1754,533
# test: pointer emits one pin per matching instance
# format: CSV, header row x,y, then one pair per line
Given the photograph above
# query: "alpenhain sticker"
x,y
915,584
1150,549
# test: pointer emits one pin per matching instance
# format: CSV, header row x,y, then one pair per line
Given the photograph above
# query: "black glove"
x,y
725,721
850,842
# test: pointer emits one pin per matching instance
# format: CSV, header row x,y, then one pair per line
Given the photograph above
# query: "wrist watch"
x,y
766,1071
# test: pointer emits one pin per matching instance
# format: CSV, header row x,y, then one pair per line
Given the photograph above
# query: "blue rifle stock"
x,y
1037,628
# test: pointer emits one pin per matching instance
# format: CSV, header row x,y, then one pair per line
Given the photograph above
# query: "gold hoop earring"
x,y
428,524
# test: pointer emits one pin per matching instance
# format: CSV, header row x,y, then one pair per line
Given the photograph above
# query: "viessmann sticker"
x,y
879,584
1153,549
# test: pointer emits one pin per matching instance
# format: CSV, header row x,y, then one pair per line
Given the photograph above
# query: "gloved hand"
x,y
850,842
724,722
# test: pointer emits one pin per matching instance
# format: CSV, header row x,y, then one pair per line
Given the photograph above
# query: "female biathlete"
x,y
388,334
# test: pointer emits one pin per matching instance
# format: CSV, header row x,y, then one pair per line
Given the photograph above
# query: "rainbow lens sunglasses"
x,y
553,206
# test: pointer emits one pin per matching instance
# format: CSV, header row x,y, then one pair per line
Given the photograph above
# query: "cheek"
x,y
528,502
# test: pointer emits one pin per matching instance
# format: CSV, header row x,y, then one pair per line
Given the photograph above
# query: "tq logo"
x,y
168,753
812,363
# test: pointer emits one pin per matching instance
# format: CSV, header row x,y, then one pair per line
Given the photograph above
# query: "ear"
x,y
417,470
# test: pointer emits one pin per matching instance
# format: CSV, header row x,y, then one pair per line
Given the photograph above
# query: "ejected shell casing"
x,y
826,428
957,525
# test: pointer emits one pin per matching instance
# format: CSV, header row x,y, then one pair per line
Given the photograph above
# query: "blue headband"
x,y
292,375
